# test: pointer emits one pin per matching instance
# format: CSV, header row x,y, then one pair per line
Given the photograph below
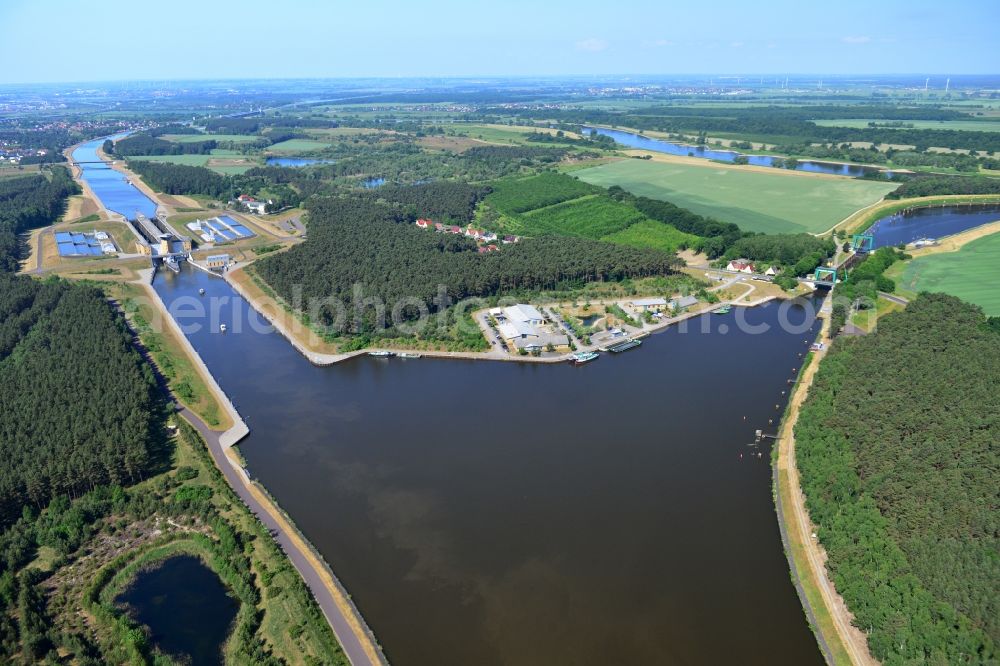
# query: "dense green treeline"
x,y
27,202
897,446
936,185
360,250
182,179
144,144
442,201
79,402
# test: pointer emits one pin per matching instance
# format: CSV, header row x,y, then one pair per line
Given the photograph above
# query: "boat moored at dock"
x,y
624,345
381,354
580,358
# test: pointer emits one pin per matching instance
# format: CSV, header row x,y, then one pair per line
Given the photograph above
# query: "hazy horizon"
x,y
390,39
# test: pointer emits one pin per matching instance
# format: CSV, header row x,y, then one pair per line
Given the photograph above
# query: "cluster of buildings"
x,y
15,155
488,237
746,266
253,205
522,326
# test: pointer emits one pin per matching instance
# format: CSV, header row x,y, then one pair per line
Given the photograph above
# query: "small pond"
x,y
295,161
187,608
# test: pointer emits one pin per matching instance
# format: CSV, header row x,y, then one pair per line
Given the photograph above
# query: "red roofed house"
x,y
741,266
245,197
438,226
424,224
455,229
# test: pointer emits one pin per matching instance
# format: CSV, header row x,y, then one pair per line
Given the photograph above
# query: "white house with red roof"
x,y
424,224
741,266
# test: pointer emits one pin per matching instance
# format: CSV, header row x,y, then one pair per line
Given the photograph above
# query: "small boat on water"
x,y
222,327
380,354
171,263
723,310
201,291
408,355
580,358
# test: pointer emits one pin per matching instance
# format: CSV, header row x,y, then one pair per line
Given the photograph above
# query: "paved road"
x,y
894,298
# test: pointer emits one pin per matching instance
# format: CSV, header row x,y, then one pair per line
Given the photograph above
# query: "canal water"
x,y
110,186
638,141
186,608
504,513
908,226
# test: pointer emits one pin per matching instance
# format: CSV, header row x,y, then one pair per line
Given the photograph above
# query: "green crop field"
x,y
189,160
970,273
194,138
519,195
590,217
650,233
298,146
974,125
755,200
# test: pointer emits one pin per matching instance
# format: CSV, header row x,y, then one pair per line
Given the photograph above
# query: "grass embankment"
x,y
862,219
817,612
756,200
969,273
183,377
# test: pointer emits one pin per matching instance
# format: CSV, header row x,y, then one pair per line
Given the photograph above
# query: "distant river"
x,y
638,141
500,513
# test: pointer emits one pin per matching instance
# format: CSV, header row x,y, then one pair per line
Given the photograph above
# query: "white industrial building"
x,y
525,314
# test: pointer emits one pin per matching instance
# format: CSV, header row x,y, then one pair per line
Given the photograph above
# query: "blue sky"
x,y
171,39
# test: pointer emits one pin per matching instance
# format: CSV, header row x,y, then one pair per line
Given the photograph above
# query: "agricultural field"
x,y
298,146
589,217
187,160
962,125
781,202
969,273
650,233
510,134
226,162
515,196
195,138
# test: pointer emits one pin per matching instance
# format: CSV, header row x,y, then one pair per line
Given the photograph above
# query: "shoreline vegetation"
x,y
918,579
309,343
840,641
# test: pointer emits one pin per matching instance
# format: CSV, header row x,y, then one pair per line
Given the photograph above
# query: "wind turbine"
x,y
926,83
